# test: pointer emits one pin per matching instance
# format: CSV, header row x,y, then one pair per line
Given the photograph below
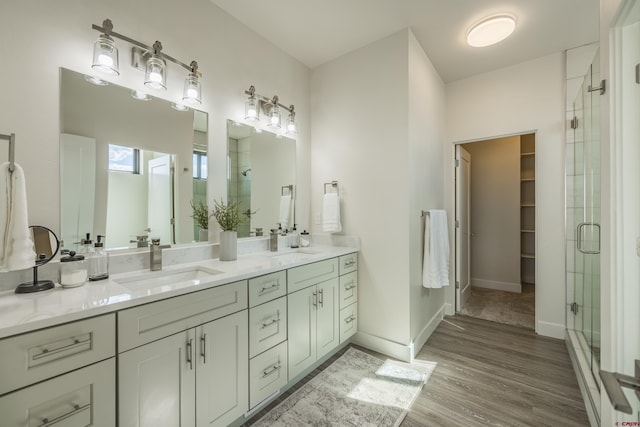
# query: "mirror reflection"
x,y
45,244
261,177
129,168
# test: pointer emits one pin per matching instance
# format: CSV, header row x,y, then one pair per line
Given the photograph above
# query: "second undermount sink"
x,y
158,278
295,255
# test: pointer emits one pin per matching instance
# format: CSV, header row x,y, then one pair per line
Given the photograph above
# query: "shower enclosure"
x,y
582,181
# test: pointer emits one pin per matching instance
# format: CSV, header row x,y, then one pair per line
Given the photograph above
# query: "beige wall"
x,y
495,213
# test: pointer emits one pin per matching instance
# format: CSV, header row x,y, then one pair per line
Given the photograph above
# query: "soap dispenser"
x,y
99,261
294,237
85,246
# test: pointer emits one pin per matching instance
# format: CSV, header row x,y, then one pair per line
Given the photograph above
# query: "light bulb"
x,y
155,77
105,60
105,55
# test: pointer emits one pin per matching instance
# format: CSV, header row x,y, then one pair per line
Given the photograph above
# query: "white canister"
x,y
73,270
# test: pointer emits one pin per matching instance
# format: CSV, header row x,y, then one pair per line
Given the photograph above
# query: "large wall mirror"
x,y
261,177
128,167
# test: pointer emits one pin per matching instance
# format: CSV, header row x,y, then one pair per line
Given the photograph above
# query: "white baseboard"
x,y
426,332
498,286
449,310
393,349
465,295
553,330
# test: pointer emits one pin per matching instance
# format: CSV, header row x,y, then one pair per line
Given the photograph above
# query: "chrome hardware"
x,y
274,368
613,383
273,240
350,319
203,348
141,241
76,410
349,263
315,299
574,307
321,292
86,340
190,353
273,321
574,123
602,88
155,254
349,286
273,287
579,242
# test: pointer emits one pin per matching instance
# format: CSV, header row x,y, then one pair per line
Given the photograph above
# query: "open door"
x,y
160,214
463,244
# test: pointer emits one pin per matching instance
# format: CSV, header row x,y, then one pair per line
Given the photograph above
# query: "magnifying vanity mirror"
x,y
129,168
46,246
261,177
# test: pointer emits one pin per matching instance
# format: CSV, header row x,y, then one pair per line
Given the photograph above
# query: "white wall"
x,y
378,127
515,100
495,213
231,57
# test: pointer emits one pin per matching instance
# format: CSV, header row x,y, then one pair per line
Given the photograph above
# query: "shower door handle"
x,y
613,383
579,237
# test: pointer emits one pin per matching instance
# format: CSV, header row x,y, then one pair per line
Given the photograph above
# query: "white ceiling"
x,y
317,31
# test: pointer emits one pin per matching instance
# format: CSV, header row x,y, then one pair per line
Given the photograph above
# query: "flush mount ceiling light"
x,y
149,59
491,30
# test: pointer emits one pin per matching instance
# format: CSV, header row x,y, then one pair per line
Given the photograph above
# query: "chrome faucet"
x,y
141,241
273,240
155,254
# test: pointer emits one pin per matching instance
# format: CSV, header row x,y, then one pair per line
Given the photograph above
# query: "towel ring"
x,y
286,187
333,184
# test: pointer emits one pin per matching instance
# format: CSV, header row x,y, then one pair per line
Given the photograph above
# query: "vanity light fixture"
x,y
150,59
179,107
271,109
139,95
105,52
95,80
491,30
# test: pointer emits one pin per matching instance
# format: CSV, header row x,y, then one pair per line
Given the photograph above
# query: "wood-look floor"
x,y
492,374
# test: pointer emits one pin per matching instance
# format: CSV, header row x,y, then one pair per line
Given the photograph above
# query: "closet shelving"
x,y
527,208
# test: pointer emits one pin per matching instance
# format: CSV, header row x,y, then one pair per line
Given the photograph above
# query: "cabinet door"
x,y
222,382
328,316
86,397
157,383
301,329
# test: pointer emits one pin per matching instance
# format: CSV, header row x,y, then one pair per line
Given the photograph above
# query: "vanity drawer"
x,y
348,289
311,274
348,322
267,325
86,397
348,263
266,288
36,356
150,322
267,374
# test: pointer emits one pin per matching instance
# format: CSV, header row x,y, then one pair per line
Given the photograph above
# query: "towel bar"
x,y
424,213
12,149
334,184
285,187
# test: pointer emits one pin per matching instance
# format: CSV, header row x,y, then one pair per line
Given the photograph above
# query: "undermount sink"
x,y
295,255
159,278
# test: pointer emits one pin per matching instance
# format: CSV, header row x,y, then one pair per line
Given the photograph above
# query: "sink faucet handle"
x,y
155,242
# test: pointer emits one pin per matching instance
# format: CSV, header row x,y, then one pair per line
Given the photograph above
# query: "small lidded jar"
x,y
305,239
73,270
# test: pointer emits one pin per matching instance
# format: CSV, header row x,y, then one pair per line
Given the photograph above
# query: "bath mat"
x,y
355,390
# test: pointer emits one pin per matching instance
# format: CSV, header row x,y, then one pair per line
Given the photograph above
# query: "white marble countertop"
x,y
28,312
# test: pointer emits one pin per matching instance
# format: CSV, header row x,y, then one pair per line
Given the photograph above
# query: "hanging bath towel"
x,y
285,211
331,213
16,248
435,267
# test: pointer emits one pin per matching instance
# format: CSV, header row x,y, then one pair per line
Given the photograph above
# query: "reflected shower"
x,y
245,172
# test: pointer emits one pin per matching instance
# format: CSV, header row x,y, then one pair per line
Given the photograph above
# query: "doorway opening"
x,y
496,229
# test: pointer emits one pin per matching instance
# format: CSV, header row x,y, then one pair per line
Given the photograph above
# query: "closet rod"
x,y
12,149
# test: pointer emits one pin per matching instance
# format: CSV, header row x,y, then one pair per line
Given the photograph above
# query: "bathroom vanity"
x,y
207,343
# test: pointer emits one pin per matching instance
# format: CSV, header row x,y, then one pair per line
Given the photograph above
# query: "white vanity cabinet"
x,y
348,296
63,375
313,314
195,377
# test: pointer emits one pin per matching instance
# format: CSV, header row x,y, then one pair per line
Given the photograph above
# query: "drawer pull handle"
x,y
273,322
271,288
203,348
350,319
349,263
321,292
76,410
271,370
349,286
315,299
76,343
190,353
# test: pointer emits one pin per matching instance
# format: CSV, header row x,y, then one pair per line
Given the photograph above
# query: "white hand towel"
x,y
435,268
16,247
331,213
285,211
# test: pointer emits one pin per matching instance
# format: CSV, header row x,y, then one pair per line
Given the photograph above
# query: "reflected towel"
x,y
16,247
435,268
331,213
285,211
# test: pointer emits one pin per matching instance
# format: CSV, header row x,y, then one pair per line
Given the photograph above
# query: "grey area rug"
x,y
355,390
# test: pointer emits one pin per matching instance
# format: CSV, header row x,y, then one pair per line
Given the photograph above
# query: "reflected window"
x,y
200,165
124,159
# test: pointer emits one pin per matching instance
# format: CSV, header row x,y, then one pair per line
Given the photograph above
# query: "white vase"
x,y
204,235
228,245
